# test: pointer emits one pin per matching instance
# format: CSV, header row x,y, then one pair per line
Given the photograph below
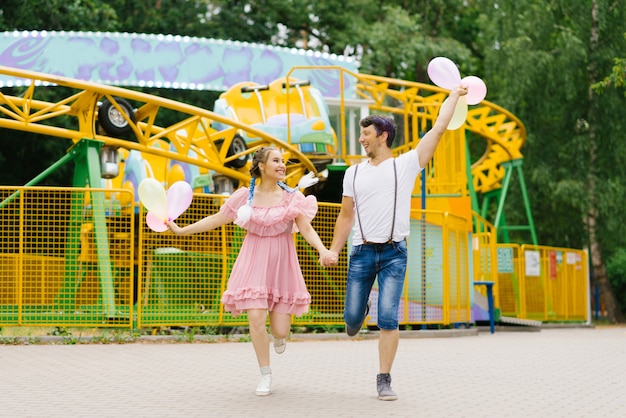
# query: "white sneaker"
x,y
265,385
280,344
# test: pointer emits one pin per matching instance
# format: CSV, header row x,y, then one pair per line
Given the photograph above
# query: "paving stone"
x,y
551,373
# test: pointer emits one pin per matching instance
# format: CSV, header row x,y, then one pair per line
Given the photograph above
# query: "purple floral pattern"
x,y
168,61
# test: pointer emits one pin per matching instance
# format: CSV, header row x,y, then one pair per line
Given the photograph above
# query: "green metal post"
x,y
86,156
498,220
107,290
529,215
470,179
66,298
62,161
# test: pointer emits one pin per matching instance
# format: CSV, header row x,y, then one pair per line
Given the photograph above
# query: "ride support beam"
x,y
86,155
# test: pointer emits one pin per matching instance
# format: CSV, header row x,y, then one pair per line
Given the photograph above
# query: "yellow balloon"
x,y
152,195
460,114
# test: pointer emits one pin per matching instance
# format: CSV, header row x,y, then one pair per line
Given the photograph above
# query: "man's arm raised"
x,y
428,144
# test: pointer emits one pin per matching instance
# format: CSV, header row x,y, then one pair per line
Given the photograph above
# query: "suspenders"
x,y
395,201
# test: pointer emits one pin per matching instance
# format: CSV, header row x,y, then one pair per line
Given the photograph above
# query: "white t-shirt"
x,y
375,189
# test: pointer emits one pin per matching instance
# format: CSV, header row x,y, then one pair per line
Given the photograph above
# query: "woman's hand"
x,y
328,258
174,228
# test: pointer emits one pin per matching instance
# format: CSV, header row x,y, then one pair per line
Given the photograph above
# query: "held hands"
x,y
328,258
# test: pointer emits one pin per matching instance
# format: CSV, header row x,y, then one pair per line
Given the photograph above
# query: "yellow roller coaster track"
x,y
504,133
76,117
419,104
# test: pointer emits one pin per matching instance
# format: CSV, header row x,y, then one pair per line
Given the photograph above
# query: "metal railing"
x,y
62,264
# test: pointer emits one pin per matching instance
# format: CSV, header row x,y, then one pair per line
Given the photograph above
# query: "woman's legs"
x,y
280,324
257,319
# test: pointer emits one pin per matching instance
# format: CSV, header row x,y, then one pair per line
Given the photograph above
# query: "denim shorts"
x,y
387,262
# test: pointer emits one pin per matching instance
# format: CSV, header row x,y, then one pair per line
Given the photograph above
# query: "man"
x,y
376,207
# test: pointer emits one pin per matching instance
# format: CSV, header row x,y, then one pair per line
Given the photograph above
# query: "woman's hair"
x,y
381,124
261,156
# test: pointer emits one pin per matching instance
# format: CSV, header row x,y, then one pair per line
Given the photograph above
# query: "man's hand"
x,y
329,258
460,90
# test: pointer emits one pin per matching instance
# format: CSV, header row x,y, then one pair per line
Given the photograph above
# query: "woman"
x,y
266,276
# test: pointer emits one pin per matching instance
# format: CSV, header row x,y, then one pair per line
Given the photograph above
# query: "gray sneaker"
x,y
354,331
383,385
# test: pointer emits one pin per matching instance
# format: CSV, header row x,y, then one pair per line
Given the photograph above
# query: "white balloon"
x,y
444,73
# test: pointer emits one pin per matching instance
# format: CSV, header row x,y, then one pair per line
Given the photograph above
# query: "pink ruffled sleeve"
x,y
234,202
301,205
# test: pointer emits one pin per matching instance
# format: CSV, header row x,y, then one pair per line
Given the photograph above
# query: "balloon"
x,y
460,114
152,196
444,73
476,89
155,223
179,197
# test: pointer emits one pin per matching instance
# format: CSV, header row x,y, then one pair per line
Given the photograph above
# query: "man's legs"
x,y
361,276
387,348
391,283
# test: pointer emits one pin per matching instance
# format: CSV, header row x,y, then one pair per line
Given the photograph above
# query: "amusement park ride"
x,y
310,111
211,149
309,108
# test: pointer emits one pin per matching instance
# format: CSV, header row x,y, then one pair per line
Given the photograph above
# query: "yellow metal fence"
x,y
51,271
73,257
547,284
182,278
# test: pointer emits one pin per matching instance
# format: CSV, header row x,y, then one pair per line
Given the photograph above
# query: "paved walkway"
x,y
577,372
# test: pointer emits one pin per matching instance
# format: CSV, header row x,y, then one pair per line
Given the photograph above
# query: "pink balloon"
x,y
179,197
476,89
156,224
444,73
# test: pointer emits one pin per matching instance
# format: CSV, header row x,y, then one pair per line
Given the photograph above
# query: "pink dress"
x,y
266,274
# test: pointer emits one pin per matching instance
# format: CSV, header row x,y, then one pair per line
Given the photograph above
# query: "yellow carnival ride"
x,y
119,136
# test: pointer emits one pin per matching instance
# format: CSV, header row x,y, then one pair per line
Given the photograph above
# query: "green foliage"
x,y
397,46
617,78
616,272
58,15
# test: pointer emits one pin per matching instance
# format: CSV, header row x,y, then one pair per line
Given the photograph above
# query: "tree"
x,y
542,69
616,79
58,15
